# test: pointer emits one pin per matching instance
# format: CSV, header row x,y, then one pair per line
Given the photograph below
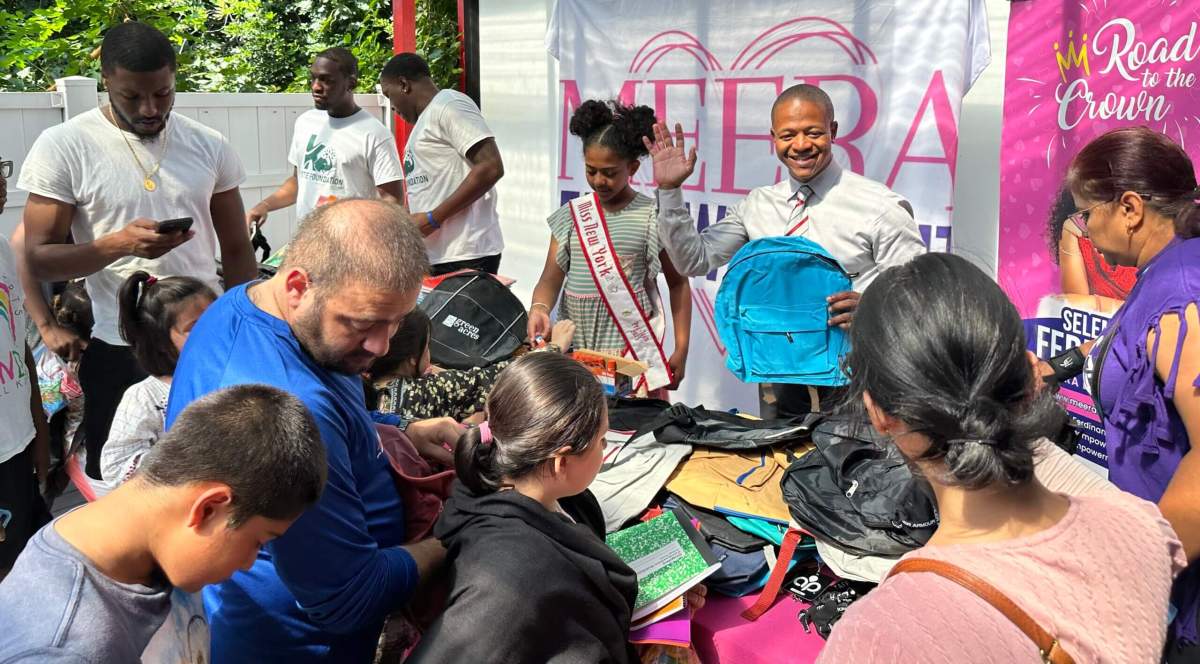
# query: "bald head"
x,y
809,94
359,240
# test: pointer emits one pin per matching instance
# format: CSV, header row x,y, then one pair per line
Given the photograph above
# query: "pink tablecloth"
x,y
722,636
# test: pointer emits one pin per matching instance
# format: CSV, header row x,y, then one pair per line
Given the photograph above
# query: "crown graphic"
x,y
1073,58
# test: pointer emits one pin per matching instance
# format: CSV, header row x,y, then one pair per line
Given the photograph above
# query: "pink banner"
x,y
1076,69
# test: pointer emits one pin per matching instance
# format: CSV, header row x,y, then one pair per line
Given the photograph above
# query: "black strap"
x,y
259,241
1066,366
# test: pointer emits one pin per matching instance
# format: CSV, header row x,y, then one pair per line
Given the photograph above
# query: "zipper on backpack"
x,y
828,259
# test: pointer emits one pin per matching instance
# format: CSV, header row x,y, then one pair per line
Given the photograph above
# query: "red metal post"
x,y
404,39
462,46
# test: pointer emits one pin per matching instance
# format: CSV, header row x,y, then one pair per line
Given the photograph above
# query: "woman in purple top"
x,y
1136,200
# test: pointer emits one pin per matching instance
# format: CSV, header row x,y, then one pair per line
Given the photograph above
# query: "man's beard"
x,y
133,126
307,329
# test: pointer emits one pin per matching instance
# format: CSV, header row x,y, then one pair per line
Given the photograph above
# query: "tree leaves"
x,y
223,45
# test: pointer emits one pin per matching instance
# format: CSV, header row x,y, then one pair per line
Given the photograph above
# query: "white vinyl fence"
x,y
259,126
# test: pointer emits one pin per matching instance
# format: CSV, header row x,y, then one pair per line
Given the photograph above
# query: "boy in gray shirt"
x,y
235,470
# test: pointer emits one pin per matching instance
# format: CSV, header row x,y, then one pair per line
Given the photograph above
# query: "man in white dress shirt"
x,y
861,223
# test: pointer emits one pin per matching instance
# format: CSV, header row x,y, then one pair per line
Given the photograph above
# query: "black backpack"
x,y
476,321
856,491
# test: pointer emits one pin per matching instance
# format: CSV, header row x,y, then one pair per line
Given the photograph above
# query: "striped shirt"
x,y
635,238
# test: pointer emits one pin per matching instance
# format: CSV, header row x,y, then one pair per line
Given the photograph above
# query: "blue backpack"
x,y
772,315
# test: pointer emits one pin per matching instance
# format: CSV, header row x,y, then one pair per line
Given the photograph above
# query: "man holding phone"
x,y
108,178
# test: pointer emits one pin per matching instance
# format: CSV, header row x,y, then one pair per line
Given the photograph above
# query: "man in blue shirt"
x,y
322,591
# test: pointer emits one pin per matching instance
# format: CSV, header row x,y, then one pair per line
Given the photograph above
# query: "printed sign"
x,y
1076,70
896,72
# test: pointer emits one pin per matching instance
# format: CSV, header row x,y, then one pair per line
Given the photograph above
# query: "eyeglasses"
x,y
6,168
1080,218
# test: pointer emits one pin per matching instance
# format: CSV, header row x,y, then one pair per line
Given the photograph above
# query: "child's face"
x,y
186,317
607,172
206,550
581,469
215,556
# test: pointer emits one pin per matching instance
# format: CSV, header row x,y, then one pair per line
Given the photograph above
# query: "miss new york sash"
x,y
638,330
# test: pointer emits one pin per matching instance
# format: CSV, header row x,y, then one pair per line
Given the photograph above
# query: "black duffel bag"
x,y
476,321
856,492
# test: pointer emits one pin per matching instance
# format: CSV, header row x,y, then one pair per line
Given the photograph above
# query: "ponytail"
x,y
129,301
475,462
540,404
148,308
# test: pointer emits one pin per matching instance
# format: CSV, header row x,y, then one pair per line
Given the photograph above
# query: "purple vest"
x,y
1144,434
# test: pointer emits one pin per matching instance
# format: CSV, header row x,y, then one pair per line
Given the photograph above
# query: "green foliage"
x,y
223,45
438,40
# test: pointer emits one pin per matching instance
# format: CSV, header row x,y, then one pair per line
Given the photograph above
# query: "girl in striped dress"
x,y
612,136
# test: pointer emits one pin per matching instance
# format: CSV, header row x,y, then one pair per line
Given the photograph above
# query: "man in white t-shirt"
x,y
24,438
108,178
451,164
338,150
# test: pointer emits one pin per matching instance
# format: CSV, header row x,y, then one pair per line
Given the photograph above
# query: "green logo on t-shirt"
x,y
319,158
410,164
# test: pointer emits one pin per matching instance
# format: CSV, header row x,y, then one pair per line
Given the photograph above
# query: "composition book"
x,y
668,555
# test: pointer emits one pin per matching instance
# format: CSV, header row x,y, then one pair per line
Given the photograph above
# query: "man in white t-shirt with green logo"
x,y
451,164
338,149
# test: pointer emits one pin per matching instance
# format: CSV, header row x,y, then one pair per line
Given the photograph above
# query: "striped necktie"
x,y
798,219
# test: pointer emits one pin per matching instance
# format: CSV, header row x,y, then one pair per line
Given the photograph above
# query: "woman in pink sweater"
x,y
954,388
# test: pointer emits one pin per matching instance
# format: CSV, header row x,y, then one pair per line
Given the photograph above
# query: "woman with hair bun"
x,y
954,388
613,301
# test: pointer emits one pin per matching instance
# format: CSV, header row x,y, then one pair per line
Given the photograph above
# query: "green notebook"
x,y
668,555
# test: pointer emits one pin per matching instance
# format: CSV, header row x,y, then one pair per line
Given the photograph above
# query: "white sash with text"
x,y
618,296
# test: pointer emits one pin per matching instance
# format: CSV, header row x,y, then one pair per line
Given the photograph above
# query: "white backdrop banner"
x,y
896,71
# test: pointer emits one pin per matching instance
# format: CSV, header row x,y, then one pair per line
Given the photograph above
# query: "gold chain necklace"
x,y
147,176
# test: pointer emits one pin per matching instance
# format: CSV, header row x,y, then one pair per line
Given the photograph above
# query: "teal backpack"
x,y
772,315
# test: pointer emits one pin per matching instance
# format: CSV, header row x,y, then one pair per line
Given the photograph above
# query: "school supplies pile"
x,y
769,499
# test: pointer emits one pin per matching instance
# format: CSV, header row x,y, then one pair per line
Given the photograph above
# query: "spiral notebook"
x,y
669,556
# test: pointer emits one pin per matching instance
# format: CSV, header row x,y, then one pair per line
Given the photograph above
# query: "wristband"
x,y
1066,365
433,224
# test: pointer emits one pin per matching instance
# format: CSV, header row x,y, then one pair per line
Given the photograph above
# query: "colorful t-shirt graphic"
x,y
15,381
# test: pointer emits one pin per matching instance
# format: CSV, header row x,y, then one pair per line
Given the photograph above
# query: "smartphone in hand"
x,y
180,225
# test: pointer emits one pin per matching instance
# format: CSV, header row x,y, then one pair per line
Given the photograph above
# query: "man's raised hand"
x,y
672,164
